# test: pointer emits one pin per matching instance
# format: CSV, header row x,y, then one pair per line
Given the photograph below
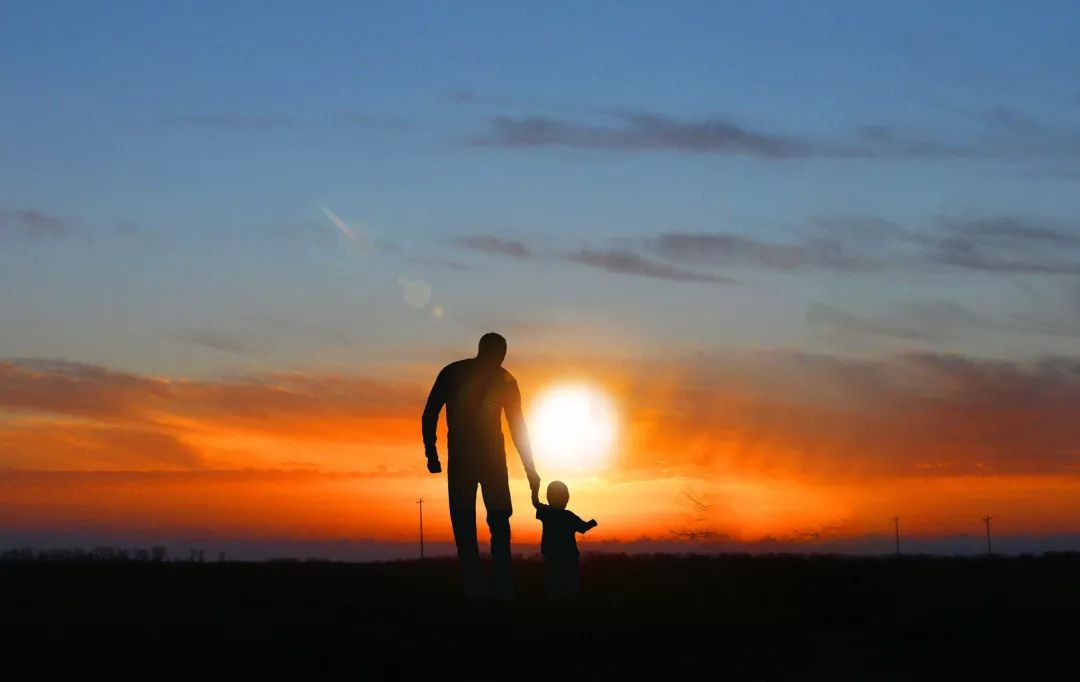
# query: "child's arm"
x,y
536,499
584,526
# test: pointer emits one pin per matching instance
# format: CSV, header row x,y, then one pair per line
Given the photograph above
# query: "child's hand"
x,y
593,523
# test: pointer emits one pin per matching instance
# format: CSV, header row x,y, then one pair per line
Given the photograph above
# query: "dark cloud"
x,y
490,244
717,248
1013,229
630,263
1006,245
32,224
619,261
1000,244
1000,133
639,130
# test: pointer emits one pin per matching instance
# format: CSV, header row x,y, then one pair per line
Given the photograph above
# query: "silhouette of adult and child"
x,y
476,392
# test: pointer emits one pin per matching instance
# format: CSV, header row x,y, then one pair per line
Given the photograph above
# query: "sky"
x,y
823,258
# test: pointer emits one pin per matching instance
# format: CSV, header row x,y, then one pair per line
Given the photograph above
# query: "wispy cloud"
x,y
32,224
1000,133
932,321
629,263
638,130
618,261
219,340
998,244
718,248
490,244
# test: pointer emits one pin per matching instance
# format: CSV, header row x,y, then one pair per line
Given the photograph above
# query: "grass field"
x,y
726,617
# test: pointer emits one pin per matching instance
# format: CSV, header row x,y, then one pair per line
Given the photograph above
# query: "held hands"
x,y
534,482
433,464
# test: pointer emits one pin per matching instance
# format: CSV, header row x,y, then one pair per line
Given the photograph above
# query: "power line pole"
x,y
986,520
896,524
421,503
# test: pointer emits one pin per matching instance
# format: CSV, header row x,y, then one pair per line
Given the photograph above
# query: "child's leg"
x,y
573,577
551,578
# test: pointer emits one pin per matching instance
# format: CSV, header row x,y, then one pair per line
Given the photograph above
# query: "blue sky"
x,y
851,178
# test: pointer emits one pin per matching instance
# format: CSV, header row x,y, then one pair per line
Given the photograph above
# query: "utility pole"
x,y
986,520
896,524
421,503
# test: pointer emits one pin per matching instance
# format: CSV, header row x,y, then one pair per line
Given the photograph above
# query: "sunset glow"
x,y
771,274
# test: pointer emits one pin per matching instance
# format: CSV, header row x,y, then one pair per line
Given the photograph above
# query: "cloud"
x,y
490,244
865,244
777,413
933,321
640,130
294,405
219,340
629,263
804,415
32,224
618,261
836,244
717,248
64,446
1007,245
997,134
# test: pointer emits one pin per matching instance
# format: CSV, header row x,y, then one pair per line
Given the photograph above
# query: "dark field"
x,y
730,617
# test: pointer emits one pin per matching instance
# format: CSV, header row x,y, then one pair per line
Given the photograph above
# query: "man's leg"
x,y
462,491
496,491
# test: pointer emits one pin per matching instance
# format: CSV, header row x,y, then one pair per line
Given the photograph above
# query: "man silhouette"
x,y
476,392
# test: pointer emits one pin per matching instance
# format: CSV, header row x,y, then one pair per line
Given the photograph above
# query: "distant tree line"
x,y
155,554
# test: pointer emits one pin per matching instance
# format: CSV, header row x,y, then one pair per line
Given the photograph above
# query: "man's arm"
x,y
520,434
430,421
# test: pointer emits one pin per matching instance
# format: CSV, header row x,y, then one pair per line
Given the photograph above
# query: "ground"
x,y
734,617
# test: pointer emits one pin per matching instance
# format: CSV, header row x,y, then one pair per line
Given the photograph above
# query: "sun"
x,y
572,428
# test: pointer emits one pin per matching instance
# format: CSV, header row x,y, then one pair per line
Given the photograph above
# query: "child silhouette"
x,y
558,544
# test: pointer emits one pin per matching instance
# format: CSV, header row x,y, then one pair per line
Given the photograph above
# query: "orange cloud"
x,y
783,444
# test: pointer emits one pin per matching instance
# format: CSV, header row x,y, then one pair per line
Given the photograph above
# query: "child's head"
x,y
558,494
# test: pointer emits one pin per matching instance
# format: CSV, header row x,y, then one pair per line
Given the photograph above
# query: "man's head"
x,y
492,349
558,494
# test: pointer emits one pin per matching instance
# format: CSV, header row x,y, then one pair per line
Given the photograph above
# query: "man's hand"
x,y
433,465
534,482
